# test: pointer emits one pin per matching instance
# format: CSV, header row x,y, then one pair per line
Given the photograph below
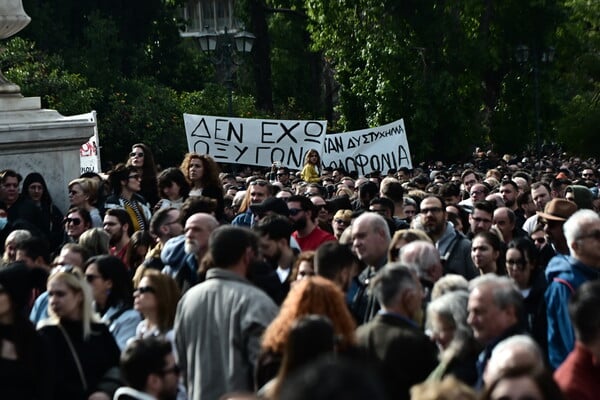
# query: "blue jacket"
x,y
178,264
562,269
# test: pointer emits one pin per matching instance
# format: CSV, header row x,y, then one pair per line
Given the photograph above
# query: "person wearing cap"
x,y
555,213
566,273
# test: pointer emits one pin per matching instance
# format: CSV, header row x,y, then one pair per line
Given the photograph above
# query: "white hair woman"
x,y
83,352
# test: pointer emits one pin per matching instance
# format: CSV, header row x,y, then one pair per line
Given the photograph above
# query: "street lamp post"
x,y
546,57
224,47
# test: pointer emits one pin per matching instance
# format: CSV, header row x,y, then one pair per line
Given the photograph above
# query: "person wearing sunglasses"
x,y
83,193
523,268
76,222
565,274
83,353
126,183
150,371
156,298
113,296
142,159
307,233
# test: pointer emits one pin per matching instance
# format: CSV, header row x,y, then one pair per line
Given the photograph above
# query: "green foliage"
x,y
38,74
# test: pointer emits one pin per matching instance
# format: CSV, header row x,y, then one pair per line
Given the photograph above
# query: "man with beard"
x,y
454,247
274,233
118,225
149,368
509,191
198,228
302,214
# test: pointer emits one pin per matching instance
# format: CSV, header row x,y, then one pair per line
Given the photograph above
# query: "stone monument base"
x,y
33,139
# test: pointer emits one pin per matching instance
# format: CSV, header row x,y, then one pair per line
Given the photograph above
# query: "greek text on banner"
x,y
254,141
375,149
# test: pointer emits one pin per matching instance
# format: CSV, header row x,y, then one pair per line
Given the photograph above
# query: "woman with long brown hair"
x,y
141,157
315,295
202,173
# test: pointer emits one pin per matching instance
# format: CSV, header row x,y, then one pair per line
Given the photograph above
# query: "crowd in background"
x,y
202,281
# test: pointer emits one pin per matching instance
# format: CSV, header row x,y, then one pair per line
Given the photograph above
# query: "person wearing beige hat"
x,y
555,213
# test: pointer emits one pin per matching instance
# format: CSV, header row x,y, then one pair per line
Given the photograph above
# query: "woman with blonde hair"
x,y
83,193
402,238
202,173
83,351
315,295
10,245
156,297
96,241
312,164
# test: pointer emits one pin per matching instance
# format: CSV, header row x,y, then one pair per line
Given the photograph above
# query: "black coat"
x,y
402,353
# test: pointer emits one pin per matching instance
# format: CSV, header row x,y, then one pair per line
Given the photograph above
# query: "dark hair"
x,y
227,244
310,336
158,219
393,190
35,247
511,183
484,205
537,185
275,227
9,173
195,205
173,175
384,202
119,174
528,251
331,258
368,188
143,357
346,380
304,201
85,214
434,196
583,309
449,189
138,239
123,217
112,268
36,177
492,239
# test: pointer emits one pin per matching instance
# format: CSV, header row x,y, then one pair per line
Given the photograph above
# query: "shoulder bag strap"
x,y
75,356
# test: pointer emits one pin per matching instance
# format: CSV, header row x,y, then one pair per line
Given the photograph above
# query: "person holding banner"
x,y
310,171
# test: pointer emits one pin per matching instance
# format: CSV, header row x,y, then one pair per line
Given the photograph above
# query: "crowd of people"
x,y
471,281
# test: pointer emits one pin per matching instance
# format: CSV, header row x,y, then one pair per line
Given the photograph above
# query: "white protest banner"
x,y
368,150
89,152
253,141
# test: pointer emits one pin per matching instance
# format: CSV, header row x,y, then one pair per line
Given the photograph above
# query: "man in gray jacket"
x,y
219,322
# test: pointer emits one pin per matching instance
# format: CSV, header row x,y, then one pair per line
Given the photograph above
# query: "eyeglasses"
x,y
540,240
477,192
91,277
433,210
259,182
516,264
340,221
594,235
134,154
74,221
173,370
145,289
295,211
587,175
135,176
